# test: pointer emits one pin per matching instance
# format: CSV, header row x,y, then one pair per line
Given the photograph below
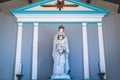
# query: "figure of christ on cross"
x,y
60,4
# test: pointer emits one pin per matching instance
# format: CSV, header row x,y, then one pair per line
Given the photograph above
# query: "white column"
x,y
35,52
101,49
18,51
85,51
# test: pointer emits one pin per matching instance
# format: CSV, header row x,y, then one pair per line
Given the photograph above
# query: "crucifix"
x,y
60,4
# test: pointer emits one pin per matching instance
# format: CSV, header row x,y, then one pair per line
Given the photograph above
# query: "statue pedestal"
x,y
60,77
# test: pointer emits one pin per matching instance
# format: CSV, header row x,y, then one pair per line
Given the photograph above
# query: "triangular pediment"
x,y
37,8
80,8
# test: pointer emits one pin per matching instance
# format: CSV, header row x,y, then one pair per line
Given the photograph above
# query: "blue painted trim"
x,y
105,79
59,22
59,12
99,22
59,79
87,79
94,79
21,10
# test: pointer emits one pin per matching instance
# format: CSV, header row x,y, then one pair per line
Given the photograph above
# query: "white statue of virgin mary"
x,y
60,55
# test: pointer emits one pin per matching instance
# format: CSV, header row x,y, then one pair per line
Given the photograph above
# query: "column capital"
x,y
20,24
84,23
36,24
99,23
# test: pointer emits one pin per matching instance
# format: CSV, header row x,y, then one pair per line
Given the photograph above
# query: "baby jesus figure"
x,y
60,47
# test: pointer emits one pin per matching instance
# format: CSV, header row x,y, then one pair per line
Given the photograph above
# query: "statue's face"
x,y
61,30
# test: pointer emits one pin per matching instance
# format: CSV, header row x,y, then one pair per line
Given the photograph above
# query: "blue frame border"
x,y
59,12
